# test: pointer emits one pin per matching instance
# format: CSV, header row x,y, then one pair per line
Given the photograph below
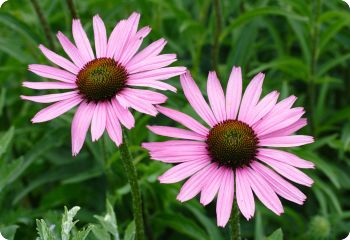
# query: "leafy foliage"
x,y
302,46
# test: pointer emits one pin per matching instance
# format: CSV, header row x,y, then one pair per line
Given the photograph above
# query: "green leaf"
x,y
43,230
67,222
130,231
9,172
100,233
109,221
276,235
5,140
9,232
83,234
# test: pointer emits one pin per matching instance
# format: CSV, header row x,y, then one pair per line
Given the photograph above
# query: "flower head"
x,y
103,83
232,156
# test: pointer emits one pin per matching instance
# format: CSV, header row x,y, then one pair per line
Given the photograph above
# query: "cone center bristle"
x,y
101,79
232,143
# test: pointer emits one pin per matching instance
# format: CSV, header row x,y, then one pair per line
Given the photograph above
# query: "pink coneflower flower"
x,y
231,157
102,83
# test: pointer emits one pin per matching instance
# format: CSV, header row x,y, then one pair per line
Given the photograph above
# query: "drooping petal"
x,y
264,192
153,84
157,74
194,185
59,60
71,50
183,170
216,97
49,85
244,194
56,109
285,157
263,107
212,185
49,98
251,97
195,98
278,184
225,198
233,93
124,115
52,73
286,141
100,37
146,95
80,125
113,126
302,122
177,146
82,41
156,62
287,171
99,121
184,119
139,105
176,133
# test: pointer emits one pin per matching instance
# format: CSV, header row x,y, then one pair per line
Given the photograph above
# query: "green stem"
x,y
71,8
216,44
235,223
44,23
134,185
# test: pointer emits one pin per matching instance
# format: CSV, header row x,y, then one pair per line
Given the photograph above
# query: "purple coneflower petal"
x,y
82,41
263,107
49,85
225,198
71,50
195,98
59,60
49,98
56,109
156,62
216,97
154,84
124,115
211,185
158,74
302,122
99,121
286,141
244,194
113,126
176,133
100,37
52,73
233,93
80,125
139,104
114,38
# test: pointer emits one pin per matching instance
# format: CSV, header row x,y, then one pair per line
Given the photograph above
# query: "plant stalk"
x,y
72,9
134,185
217,32
235,223
44,23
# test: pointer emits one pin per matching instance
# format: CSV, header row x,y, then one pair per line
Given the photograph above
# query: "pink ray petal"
x,y
264,192
139,105
286,141
211,186
302,122
233,93
287,171
56,109
195,98
244,194
225,198
156,62
278,184
148,52
194,184
183,170
251,97
52,73
115,38
158,74
59,60
153,84
100,37
82,41
49,85
216,97
184,119
99,120
146,95
285,157
134,45
80,125
176,133
124,115
263,107
113,127
71,50
49,98
176,146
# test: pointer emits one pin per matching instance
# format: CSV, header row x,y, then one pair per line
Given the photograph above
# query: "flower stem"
x,y
235,223
72,10
44,23
135,189
217,32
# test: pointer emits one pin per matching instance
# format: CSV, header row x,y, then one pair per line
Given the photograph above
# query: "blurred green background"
x,y
302,46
